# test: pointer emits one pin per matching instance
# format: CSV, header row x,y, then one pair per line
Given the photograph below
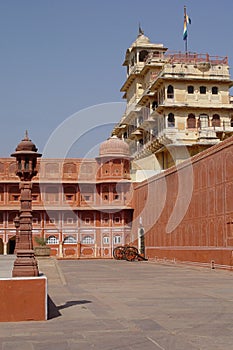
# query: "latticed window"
x,y
52,240
70,239
87,240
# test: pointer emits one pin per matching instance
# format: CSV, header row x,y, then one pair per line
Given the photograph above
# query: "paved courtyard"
x,y
113,305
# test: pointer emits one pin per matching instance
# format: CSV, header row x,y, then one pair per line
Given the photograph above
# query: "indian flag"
x,y
187,20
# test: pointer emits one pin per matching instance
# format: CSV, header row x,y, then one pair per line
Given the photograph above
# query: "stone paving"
x,y
113,305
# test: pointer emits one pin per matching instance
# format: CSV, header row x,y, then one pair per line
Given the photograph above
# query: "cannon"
x,y
128,253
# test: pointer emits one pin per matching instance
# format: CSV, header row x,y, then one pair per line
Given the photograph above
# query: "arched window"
x,y
70,239
202,90
191,121
190,89
231,122
214,90
52,240
87,240
170,120
216,120
170,91
117,239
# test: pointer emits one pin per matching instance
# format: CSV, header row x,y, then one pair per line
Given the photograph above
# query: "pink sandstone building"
x,y
81,206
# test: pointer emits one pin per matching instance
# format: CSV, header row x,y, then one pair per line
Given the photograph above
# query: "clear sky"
x,y
61,56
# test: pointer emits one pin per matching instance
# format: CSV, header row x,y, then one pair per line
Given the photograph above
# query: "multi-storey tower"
x,y
178,104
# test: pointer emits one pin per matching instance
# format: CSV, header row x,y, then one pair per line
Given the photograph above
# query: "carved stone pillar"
x,y
26,155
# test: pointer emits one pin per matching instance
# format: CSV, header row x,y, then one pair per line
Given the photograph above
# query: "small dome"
x,y
26,145
114,147
141,39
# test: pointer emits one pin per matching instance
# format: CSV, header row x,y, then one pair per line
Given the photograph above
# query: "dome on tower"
x,y
114,147
141,40
26,145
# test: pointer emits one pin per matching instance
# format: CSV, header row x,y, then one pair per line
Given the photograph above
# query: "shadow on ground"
x,y
53,310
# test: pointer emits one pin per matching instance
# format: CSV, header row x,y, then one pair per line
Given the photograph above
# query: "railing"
x,y
186,57
192,57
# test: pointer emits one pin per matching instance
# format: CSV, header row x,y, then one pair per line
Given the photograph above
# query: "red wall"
x,y
187,211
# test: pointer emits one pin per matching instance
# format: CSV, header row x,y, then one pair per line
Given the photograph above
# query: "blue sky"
x,y
61,56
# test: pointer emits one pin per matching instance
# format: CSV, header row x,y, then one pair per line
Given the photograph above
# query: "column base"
x,y
23,299
25,264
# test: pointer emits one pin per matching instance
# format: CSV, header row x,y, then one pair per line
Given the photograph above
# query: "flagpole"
x,y
186,39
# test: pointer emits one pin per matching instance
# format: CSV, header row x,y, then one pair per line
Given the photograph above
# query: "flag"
x,y
187,20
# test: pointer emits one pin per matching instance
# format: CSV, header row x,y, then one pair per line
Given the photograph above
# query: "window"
x,y
34,197
216,120
15,197
34,220
69,197
171,120
202,89
51,194
117,239
117,219
70,239
203,121
214,90
87,240
142,55
190,89
154,105
69,168
170,92
116,197
52,220
52,240
105,240
51,169
105,219
87,221
191,121
69,220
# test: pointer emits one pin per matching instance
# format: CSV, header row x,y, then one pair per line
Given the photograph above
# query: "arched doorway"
x,y
11,245
1,246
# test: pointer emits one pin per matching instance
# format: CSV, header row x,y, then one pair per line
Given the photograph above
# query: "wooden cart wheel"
x,y
131,253
119,253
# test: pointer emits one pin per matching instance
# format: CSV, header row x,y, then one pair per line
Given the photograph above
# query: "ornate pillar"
x,y
26,155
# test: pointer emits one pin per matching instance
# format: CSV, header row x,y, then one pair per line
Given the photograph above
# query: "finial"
x,y
140,31
26,135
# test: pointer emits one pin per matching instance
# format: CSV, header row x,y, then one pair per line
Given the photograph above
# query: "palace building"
x,y
178,104
81,206
177,128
